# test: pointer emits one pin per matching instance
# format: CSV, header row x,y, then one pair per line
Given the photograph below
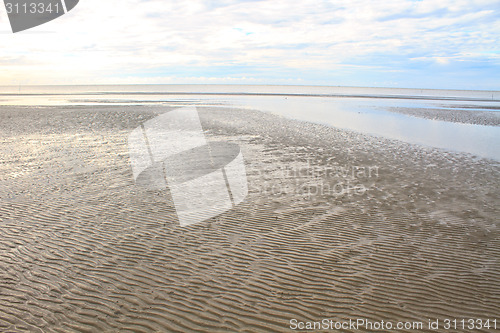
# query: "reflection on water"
x,y
359,109
370,116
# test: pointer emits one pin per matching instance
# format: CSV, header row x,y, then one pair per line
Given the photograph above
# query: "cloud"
x,y
261,41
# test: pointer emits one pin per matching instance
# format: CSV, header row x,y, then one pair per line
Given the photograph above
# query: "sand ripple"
x,y
82,249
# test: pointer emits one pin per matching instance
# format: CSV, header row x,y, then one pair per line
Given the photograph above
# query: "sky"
x,y
443,44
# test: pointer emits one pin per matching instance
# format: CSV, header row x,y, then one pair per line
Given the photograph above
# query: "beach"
x,y
337,225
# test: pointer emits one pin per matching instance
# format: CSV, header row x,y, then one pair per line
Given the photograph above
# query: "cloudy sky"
x,y
392,43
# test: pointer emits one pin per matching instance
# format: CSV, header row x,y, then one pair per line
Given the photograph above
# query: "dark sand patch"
x,y
488,116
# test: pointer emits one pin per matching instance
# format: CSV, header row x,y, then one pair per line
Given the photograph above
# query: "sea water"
x,y
364,110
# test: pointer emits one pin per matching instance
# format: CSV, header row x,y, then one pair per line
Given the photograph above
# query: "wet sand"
x,y
410,234
481,115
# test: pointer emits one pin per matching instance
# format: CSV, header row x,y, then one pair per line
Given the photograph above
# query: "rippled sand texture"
x,y
82,249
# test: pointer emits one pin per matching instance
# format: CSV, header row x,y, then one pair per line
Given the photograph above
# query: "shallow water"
x,y
364,110
371,116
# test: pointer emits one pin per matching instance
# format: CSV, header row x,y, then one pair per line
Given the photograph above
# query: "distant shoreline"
x,y
433,98
254,90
